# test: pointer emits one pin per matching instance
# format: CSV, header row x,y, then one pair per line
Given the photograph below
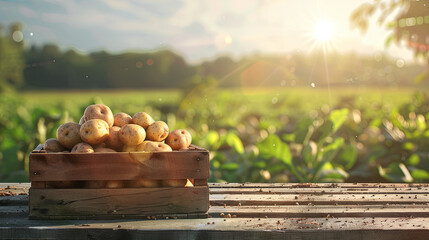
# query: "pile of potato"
x,y
100,131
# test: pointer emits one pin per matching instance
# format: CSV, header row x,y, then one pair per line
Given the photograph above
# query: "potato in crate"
x,y
123,175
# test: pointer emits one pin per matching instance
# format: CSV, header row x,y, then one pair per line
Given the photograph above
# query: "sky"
x,y
198,30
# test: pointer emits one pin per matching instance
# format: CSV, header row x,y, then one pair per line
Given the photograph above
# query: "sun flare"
x,y
323,31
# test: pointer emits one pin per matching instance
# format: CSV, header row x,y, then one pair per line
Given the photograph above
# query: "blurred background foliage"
x,y
252,135
264,118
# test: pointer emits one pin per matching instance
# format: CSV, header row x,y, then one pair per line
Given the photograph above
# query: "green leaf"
x,y
272,146
230,166
260,164
420,122
413,160
395,173
276,168
391,25
309,152
9,160
375,122
420,174
338,117
338,143
325,130
235,142
389,40
347,157
301,129
336,173
212,138
408,146
290,137
327,155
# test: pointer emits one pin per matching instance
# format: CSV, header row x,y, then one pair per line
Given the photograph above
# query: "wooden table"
x,y
251,211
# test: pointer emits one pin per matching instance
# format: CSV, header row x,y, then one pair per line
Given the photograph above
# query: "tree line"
x,y
49,67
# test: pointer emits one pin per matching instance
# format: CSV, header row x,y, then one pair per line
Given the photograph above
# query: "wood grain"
x,y
349,217
319,185
316,191
218,228
328,199
321,211
119,166
126,202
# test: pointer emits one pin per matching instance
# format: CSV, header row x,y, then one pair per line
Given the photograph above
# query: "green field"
x,y
270,135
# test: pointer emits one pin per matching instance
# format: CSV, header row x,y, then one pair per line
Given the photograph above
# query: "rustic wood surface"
x,y
108,203
250,211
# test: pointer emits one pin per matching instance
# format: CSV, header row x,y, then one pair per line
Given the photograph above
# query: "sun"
x,y
323,31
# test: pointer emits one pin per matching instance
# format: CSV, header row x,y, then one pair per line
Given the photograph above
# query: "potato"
x,y
120,119
113,141
101,145
132,134
141,146
144,183
99,111
189,183
94,184
115,184
151,146
143,119
174,182
157,131
94,131
179,139
68,134
53,145
82,120
127,148
82,148
101,149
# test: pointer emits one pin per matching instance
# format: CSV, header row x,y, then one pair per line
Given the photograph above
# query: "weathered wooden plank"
x,y
15,185
209,234
119,166
319,185
13,211
125,202
215,228
329,199
14,200
318,211
304,186
307,211
317,191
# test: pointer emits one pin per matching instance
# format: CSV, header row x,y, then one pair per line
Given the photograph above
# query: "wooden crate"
x,y
47,202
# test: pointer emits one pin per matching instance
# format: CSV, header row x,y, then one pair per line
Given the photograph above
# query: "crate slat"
x,y
119,166
119,203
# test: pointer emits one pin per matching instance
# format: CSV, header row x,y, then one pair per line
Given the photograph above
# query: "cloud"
x,y
27,12
198,29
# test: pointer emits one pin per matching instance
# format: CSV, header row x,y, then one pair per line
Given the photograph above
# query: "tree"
x,y
410,25
11,58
